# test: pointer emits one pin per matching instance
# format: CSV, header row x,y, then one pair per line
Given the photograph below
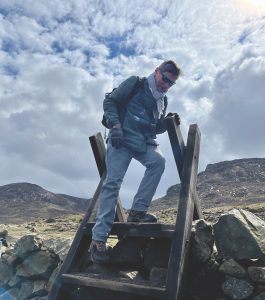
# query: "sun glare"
x,y
253,6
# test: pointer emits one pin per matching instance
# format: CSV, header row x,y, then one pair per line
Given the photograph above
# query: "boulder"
x,y
239,234
38,264
260,296
31,289
6,273
28,243
232,268
236,288
10,258
257,274
3,231
202,241
60,246
10,294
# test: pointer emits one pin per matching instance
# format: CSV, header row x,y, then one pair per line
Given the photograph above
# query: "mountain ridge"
x,y
235,182
25,201
228,183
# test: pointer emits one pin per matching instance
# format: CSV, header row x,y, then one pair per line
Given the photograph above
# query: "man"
x,y
134,124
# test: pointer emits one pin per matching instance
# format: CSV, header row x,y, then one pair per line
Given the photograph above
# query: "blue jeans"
x,y
117,162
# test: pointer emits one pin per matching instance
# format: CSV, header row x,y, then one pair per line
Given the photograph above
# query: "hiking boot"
x,y
99,252
141,217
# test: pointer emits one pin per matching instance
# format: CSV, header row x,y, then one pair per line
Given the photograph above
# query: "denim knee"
x,y
159,164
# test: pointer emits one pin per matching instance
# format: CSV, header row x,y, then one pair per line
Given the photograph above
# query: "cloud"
x,y
58,59
239,95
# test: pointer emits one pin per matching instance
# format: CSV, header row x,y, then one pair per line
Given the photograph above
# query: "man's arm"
x,y
116,99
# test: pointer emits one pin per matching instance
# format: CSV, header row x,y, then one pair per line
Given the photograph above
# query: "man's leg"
x,y
154,162
117,162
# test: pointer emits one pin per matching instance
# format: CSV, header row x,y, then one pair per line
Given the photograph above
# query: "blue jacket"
x,y
139,116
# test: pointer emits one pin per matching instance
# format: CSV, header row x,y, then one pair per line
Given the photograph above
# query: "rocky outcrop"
x,y
236,182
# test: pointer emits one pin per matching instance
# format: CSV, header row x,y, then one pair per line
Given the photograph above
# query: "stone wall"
x,y
227,261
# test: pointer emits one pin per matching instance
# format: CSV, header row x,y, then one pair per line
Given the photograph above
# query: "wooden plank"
x,y
78,247
120,286
181,237
137,229
178,148
99,151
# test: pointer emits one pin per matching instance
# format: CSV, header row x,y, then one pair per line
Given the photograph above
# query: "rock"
x,y
50,220
25,290
157,253
10,294
257,274
261,296
6,273
27,244
232,268
10,258
128,252
158,275
237,288
52,277
14,281
31,289
39,263
59,246
202,241
3,231
240,234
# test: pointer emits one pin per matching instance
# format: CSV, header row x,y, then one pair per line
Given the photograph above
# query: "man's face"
x,y
164,80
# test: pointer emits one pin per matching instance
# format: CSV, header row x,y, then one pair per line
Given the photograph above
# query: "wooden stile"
x,y
186,158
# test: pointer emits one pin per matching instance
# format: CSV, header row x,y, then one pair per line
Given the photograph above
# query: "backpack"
x,y
138,85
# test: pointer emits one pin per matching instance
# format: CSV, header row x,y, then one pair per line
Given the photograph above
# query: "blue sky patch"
x,y
57,47
243,36
116,46
10,70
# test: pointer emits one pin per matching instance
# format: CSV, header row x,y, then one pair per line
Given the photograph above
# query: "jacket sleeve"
x,y
117,99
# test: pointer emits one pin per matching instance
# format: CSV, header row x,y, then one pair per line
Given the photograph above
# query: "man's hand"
x,y
116,137
176,117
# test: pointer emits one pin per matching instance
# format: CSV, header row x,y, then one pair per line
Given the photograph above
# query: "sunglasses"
x,y
167,80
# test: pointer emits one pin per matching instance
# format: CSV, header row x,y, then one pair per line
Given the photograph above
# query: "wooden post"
x,y
181,237
78,247
178,148
99,150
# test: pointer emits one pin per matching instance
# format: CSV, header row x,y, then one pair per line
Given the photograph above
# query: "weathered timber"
x,y
137,229
82,279
178,148
99,151
77,250
181,237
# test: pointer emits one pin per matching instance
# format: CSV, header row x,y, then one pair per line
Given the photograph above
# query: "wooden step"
x,y
121,285
136,229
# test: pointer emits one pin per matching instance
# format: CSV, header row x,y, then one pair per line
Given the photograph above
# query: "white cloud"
x,y
58,58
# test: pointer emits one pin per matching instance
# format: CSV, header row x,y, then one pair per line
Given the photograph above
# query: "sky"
x,y
58,58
